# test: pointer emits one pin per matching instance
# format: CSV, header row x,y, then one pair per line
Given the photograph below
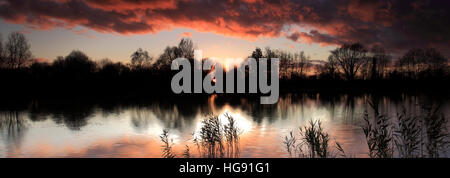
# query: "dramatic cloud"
x,y
395,24
314,37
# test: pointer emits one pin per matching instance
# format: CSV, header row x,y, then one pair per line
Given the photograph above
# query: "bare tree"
x,y
350,58
417,61
186,48
379,61
17,50
330,68
286,63
411,62
269,53
435,60
165,59
139,58
302,62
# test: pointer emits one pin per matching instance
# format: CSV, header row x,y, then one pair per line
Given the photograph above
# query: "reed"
x,y
186,153
437,137
167,145
378,134
214,140
313,142
211,138
290,144
217,140
232,133
408,136
414,136
316,139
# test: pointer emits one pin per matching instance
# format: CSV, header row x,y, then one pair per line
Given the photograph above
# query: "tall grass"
x,y
437,136
217,140
408,136
232,133
167,145
414,136
211,137
186,153
378,134
290,144
213,140
316,139
313,142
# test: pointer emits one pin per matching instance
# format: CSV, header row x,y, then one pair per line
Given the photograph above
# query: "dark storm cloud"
x,y
395,24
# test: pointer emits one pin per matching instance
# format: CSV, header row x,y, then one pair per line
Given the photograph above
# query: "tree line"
x,y
349,62
354,61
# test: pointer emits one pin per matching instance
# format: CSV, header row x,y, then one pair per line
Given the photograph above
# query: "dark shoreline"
x,y
157,89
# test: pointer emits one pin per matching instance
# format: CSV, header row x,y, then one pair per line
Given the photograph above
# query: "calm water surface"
x,y
79,129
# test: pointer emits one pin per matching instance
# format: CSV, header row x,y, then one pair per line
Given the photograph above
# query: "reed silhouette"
x,y
378,134
407,135
312,142
214,140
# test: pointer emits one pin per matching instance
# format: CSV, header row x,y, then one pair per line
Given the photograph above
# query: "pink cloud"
x,y
395,24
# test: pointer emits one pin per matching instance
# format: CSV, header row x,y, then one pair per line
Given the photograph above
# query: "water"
x,y
131,129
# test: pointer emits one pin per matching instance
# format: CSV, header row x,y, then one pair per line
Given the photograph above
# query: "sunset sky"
x,y
228,28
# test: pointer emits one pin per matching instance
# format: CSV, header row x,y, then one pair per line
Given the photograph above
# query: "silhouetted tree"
x,y
435,60
186,48
285,63
102,62
17,50
419,62
411,62
302,61
111,70
350,58
76,65
165,59
269,53
330,68
140,58
379,61
257,53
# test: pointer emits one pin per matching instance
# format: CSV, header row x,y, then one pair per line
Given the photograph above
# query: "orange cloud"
x,y
395,24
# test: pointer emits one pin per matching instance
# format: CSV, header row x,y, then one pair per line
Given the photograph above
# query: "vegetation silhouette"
x,y
312,142
214,140
350,67
408,134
